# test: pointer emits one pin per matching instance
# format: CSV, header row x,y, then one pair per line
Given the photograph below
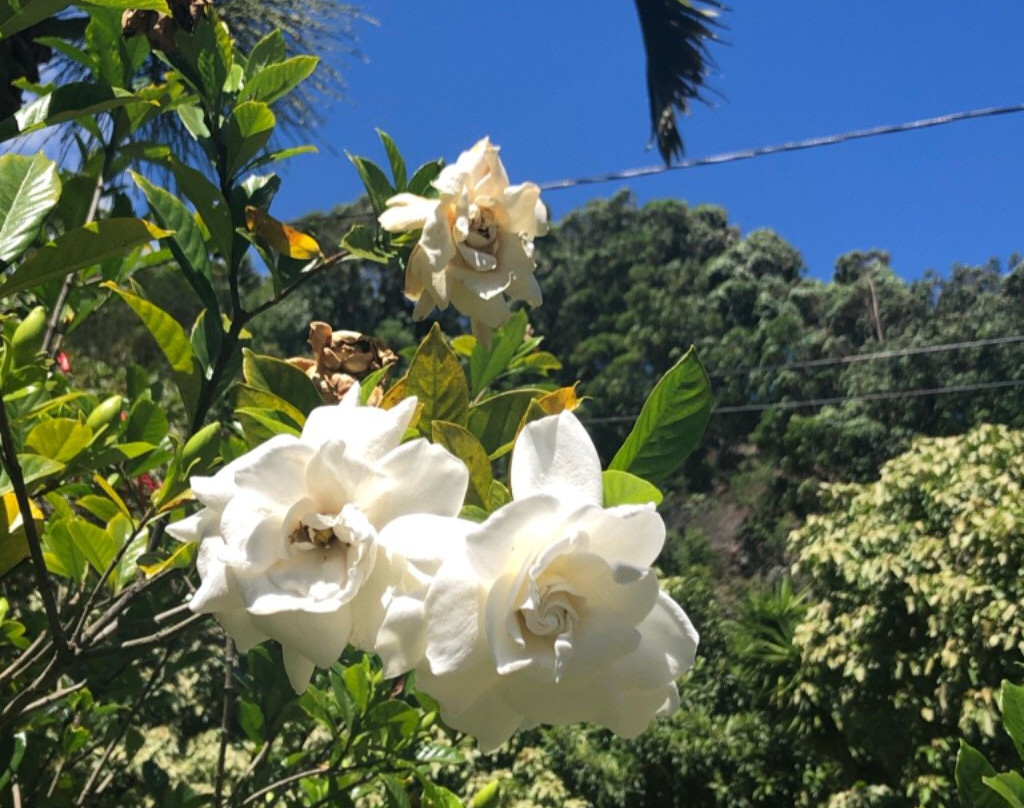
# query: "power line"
x,y
880,396
822,402
796,145
847,360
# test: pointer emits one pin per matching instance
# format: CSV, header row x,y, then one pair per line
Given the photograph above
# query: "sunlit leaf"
x,y
465,446
435,377
29,190
671,423
81,248
623,488
277,80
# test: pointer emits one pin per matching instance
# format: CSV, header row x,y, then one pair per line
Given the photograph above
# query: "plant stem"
x,y
225,715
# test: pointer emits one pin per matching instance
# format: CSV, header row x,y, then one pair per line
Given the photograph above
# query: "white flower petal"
x,y
519,205
299,669
627,534
319,637
453,605
555,455
494,313
436,242
407,212
421,478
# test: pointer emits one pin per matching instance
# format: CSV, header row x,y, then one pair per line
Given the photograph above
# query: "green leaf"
x,y
29,190
60,439
28,15
248,129
394,158
378,187
268,51
495,421
173,343
147,423
251,397
81,248
210,204
96,545
27,339
181,558
435,377
260,425
971,767
277,80
1009,786
250,719
487,364
623,488
66,103
671,423
33,469
464,445
361,242
185,241
281,378
1012,702
60,552
425,174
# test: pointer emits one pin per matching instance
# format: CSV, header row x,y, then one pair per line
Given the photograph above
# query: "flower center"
x,y
483,228
349,528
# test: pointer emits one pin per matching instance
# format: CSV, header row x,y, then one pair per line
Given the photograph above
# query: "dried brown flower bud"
x,y
160,28
342,358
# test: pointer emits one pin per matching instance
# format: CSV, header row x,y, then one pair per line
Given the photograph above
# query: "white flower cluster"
x,y
546,613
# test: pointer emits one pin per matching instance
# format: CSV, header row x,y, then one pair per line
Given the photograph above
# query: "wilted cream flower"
x,y
289,547
476,250
548,612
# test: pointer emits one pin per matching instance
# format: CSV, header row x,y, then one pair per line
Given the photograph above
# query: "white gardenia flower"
x,y
476,250
548,612
289,547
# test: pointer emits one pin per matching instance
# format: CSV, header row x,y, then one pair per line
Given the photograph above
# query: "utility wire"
x,y
761,151
822,402
847,360
796,145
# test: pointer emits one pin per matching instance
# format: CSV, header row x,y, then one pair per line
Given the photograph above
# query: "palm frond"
x,y
676,34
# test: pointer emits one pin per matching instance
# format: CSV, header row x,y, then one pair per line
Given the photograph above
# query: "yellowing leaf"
x,y
281,238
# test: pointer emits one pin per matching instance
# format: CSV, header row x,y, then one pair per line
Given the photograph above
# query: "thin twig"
x,y
146,641
225,715
322,769
56,695
25,658
328,262
35,546
14,707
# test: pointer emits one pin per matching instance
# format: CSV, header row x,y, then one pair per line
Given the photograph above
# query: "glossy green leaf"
x,y
33,469
185,241
464,445
60,439
277,80
671,423
182,557
425,174
435,377
248,129
1009,786
971,767
249,396
268,51
97,545
209,203
378,187
61,553
147,423
394,158
64,104
487,364
31,12
281,378
173,343
81,248
361,242
496,420
29,190
27,339
260,424
1012,704
623,488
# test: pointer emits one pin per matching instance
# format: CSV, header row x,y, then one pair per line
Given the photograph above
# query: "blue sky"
x,y
559,85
